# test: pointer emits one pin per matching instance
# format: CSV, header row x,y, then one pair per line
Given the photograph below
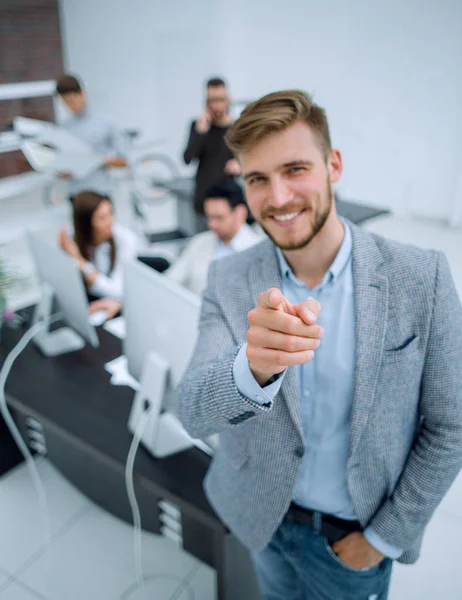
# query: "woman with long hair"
x,y
99,246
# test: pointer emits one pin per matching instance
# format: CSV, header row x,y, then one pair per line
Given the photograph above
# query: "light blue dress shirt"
x,y
105,139
326,386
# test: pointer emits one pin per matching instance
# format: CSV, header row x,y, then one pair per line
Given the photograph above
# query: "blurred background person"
x,y
99,246
207,146
226,212
103,137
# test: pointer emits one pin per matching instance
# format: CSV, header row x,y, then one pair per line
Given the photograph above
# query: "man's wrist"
x,y
381,545
247,384
261,378
264,379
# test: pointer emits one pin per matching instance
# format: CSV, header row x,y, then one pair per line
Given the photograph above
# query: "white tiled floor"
x,y
100,539
3,578
17,591
91,555
26,534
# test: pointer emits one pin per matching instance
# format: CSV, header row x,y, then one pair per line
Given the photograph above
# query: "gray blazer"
x,y
406,423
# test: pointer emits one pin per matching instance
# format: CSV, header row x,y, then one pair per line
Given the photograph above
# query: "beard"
x,y
323,205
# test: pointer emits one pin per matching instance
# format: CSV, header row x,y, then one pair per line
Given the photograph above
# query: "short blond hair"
x,y
275,112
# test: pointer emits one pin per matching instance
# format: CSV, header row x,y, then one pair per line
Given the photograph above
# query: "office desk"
x,y
356,212
84,421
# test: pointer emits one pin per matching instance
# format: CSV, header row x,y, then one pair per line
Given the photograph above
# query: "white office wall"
x,y
111,47
388,74
143,61
186,57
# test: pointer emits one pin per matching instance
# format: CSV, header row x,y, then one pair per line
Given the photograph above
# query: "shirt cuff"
x,y
247,384
381,545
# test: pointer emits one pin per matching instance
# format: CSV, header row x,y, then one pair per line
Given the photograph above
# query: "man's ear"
x,y
335,165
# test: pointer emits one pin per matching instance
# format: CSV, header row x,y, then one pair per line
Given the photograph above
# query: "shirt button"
x,y
299,452
260,398
306,393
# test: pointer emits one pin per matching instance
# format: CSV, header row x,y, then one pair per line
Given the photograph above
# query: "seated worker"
x,y
226,211
99,246
103,137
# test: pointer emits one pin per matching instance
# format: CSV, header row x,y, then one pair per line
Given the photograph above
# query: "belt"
x,y
328,526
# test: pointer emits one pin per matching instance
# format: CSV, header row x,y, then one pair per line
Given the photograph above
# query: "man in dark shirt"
x,y
207,144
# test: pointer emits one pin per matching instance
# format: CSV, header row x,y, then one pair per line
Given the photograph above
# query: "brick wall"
x,y
30,50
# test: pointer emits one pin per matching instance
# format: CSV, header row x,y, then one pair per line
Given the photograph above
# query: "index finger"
x,y
308,310
273,299
276,320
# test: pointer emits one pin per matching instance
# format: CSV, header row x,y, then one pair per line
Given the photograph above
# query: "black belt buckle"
x,y
330,527
301,515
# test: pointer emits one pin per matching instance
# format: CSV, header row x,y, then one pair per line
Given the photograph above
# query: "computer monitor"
x,y
161,316
161,319
60,280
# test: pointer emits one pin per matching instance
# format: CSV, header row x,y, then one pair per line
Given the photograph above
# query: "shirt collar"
x,y
238,239
336,268
235,243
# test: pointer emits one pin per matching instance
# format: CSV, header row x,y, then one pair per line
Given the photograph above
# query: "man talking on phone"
x,y
207,145
329,361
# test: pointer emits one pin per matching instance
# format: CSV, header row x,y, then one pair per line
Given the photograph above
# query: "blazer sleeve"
x,y
436,457
209,398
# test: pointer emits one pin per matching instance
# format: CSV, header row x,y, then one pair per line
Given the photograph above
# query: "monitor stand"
x,y
163,434
60,341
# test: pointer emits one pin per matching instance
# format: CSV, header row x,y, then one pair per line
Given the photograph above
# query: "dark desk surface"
x,y
73,392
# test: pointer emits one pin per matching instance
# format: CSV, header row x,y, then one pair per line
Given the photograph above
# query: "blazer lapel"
x,y
264,274
264,271
371,309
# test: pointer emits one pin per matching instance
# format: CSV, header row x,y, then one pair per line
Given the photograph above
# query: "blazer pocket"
x,y
405,350
235,450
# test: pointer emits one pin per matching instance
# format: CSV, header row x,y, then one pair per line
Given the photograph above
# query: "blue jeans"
x,y
299,564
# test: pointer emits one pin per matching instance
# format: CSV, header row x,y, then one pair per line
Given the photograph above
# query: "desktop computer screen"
x,y
161,319
60,279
